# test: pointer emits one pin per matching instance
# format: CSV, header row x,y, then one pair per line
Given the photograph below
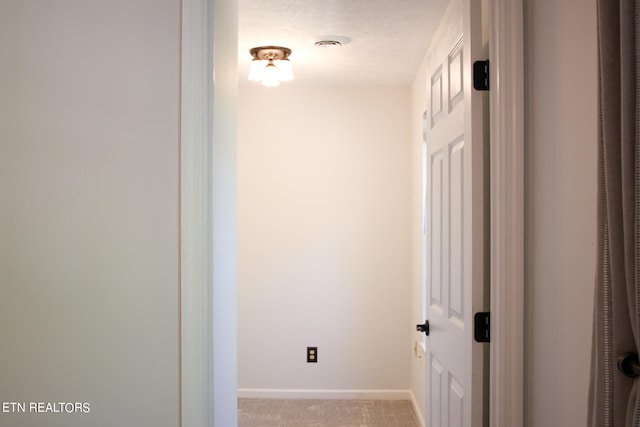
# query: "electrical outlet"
x,y
312,354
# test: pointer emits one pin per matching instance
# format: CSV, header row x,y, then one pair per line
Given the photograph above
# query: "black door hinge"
x,y
481,75
482,326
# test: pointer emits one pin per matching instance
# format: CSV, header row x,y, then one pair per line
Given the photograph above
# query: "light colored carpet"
x,y
325,413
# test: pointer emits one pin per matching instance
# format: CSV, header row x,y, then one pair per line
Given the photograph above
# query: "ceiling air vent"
x,y
331,41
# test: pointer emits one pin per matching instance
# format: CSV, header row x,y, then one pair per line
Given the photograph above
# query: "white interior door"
x,y
455,221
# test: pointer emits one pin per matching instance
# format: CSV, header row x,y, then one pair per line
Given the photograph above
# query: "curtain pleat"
x,y
613,397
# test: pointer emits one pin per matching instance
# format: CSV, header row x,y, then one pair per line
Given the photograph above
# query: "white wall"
x,y
561,132
89,140
323,241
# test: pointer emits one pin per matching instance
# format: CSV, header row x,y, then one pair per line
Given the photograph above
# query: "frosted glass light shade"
x,y
285,73
257,70
270,75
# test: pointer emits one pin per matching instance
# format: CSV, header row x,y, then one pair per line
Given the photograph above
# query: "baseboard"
x,y
256,393
417,409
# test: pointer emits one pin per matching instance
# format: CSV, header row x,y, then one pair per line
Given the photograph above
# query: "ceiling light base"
x,y
270,53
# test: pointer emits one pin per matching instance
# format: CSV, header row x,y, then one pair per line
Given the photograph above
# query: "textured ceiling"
x,y
388,38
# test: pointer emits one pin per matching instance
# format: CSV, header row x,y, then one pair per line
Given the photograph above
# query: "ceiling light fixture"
x,y
270,65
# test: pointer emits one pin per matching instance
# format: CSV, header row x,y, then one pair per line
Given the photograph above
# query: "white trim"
x,y
507,213
196,283
208,307
417,410
268,393
224,216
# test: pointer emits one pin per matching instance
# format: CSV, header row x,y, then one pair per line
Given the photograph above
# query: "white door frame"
x,y
506,47
208,340
208,302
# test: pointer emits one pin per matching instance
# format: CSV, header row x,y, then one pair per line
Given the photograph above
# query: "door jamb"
x,y
507,214
506,46
208,263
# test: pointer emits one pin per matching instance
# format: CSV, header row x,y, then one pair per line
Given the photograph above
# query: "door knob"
x,y
423,328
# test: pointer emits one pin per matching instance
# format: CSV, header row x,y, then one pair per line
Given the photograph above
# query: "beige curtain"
x,y
613,396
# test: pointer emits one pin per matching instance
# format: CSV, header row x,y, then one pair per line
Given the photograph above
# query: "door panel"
x,y
435,224
456,403
435,403
455,221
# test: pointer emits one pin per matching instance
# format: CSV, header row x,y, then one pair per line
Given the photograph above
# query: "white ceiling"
x,y
388,38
